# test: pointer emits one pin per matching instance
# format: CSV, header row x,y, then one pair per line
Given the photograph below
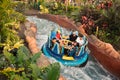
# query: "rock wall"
x,y
30,37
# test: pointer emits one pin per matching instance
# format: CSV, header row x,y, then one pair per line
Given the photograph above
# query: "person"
x,y
55,46
73,36
58,35
53,41
72,51
80,40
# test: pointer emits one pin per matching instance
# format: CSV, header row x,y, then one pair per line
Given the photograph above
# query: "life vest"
x,y
58,36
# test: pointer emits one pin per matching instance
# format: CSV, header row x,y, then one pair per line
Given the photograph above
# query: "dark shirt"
x,y
73,37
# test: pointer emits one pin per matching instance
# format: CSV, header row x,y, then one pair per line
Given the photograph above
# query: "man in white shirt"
x,y
80,41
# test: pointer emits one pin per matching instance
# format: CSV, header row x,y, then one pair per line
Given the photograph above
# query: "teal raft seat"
x,y
55,48
58,53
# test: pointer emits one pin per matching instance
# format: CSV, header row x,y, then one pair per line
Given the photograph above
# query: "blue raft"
x,y
77,60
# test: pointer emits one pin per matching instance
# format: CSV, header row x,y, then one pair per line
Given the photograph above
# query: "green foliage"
x,y
58,8
16,77
16,62
52,72
107,19
3,62
9,57
103,35
34,57
23,55
20,6
43,9
111,17
22,59
36,5
23,66
24,50
35,71
10,22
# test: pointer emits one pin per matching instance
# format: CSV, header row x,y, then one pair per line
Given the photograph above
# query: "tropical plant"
x,y
59,8
43,9
10,22
107,19
23,66
20,6
16,62
110,23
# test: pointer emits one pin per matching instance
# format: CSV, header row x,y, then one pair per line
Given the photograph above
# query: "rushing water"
x,y
92,71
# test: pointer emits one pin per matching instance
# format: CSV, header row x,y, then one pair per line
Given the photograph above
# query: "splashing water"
x,y
92,71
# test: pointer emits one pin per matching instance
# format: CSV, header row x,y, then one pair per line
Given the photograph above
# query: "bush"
x,y
23,66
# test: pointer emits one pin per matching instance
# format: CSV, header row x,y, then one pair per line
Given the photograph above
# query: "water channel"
x,y
92,71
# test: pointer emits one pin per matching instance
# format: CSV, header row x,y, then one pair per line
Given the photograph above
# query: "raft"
x,y
76,60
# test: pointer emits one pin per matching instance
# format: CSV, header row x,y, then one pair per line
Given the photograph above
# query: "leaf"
x,y
10,57
16,77
24,50
35,57
52,72
35,71
24,76
75,13
23,56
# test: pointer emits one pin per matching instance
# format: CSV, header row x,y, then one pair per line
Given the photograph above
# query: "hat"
x,y
74,32
58,31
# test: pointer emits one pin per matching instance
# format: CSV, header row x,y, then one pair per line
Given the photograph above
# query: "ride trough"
x,y
58,52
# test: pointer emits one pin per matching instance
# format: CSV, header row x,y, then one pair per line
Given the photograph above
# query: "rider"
x,y
73,36
80,40
58,35
73,44
53,41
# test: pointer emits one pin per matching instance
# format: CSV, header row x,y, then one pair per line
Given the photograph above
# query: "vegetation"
x,y
23,67
20,6
111,20
16,62
106,21
10,22
59,8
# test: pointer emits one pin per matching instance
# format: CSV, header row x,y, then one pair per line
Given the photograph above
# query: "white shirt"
x,y
80,40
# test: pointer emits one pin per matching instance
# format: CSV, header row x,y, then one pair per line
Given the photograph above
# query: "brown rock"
x,y
30,38
33,27
61,78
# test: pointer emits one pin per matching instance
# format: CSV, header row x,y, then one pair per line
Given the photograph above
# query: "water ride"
x,y
65,50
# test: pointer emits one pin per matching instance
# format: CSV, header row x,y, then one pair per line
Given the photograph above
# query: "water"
x,y
92,71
